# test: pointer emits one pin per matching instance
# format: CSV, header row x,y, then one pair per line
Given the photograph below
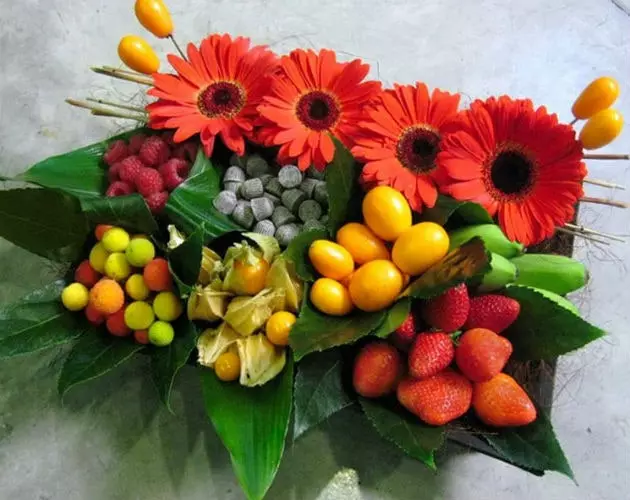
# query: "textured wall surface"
x,y
111,440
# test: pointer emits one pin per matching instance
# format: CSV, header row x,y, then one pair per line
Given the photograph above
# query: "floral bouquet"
x,y
308,240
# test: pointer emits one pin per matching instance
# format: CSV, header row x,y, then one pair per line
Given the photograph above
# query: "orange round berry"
x,y
100,230
157,275
107,296
116,324
86,274
141,336
93,316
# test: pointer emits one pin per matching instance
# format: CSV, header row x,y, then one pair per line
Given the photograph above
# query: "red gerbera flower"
x,y
516,161
400,139
312,96
216,93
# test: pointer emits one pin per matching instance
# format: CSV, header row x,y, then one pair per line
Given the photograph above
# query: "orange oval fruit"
x,y
600,94
386,212
362,243
331,297
155,17
330,259
279,326
228,366
420,247
107,296
376,285
138,55
601,129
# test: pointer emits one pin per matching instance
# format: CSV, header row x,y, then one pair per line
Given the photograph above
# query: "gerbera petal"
x,y
427,191
327,147
207,139
443,107
186,70
466,190
422,103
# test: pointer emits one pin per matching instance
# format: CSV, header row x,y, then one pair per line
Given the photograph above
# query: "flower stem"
x,y
101,111
124,75
586,230
607,157
597,182
117,105
605,201
582,235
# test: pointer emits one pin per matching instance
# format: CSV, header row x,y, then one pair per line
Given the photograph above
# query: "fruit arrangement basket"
x,y
308,240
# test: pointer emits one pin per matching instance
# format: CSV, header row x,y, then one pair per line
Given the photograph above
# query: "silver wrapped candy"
x,y
321,194
257,166
239,161
282,215
265,227
265,178
308,186
243,214
234,174
309,210
316,174
225,202
285,234
290,177
262,208
273,187
293,198
312,224
235,187
252,188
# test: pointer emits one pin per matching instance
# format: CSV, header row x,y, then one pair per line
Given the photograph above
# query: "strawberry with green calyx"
x,y
482,354
431,353
493,312
377,369
501,402
447,312
404,336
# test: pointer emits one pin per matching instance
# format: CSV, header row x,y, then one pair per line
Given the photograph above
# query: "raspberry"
x,y
129,169
168,138
154,151
119,188
86,275
157,275
93,316
174,172
186,151
157,202
149,181
116,324
117,151
136,142
107,296
113,174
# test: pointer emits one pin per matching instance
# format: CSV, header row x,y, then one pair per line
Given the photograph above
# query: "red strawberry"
x,y
117,151
493,312
482,354
377,369
174,172
136,142
149,181
129,168
501,402
154,151
157,202
119,188
113,173
405,334
448,312
431,353
436,400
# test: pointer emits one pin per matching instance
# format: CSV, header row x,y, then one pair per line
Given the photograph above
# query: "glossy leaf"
x,y
253,424
297,252
319,391
456,213
130,212
185,261
395,317
544,329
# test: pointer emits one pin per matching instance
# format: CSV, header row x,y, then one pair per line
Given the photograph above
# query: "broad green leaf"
x,y
315,331
130,212
344,191
544,329
185,261
297,252
416,439
81,172
253,424
533,447
95,354
462,264
190,205
43,221
37,305
456,213
395,317
319,391
167,361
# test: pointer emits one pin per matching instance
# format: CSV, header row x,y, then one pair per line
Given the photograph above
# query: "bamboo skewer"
x,y
598,182
573,122
124,75
582,235
605,201
101,111
181,52
607,157
117,105
586,230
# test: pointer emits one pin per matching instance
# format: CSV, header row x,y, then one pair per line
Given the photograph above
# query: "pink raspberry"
x,y
129,168
119,188
154,151
149,181
186,151
117,151
174,172
157,201
136,142
168,138
113,173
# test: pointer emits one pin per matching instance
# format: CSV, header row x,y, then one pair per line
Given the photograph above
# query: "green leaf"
x,y
533,447
319,391
95,354
395,317
344,191
185,261
38,321
81,172
190,205
297,252
253,424
167,361
544,329
43,221
462,264
456,213
315,331
401,428
130,212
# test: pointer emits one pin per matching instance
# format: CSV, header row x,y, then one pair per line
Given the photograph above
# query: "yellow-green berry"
x,y
98,256
161,333
115,240
75,297
117,267
139,316
136,288
140,252
167,306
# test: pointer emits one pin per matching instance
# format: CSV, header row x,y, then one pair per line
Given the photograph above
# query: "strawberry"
x,y
431,353
493,312
377,369
405,334
436,400
448,312
501,402
482,354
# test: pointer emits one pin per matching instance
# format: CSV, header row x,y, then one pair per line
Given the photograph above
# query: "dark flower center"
x,y
511,172
318,110
417,148
221,99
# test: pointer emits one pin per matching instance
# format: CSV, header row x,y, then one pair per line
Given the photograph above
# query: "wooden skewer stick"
x,y
181,52
124,71
587,230
100,111
124,75
573,122
582,235
117,105
598,182
607,157
605,201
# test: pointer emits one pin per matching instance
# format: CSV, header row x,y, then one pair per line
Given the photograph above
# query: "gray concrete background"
x,y
110,439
